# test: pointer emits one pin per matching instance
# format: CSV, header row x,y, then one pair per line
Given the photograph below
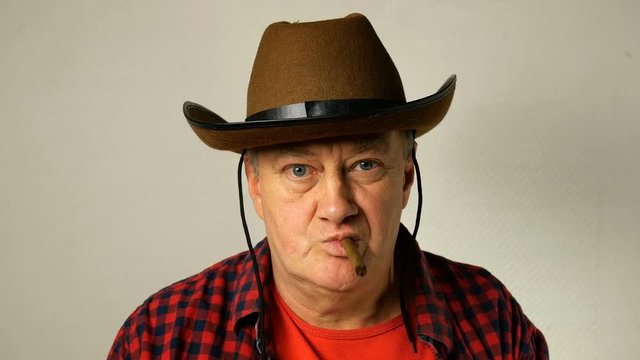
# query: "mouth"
x,y
334,246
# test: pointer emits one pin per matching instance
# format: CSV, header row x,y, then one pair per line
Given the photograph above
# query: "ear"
x,y
409,176
253,182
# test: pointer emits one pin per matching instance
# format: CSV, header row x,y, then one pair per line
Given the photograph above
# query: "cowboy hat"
x,y
317,80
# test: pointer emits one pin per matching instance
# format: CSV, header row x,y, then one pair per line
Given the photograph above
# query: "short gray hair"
x,y
409,140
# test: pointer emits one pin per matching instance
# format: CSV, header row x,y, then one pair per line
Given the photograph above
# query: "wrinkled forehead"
x,y
375,142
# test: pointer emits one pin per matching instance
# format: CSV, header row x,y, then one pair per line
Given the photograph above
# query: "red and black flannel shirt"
x,y
461,310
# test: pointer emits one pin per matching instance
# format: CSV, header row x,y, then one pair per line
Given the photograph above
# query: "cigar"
x,y
354,256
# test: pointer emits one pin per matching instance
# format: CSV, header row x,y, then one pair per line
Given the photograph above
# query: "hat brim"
x,y
420,115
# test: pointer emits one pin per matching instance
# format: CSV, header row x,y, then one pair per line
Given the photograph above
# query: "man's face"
x,y
311,195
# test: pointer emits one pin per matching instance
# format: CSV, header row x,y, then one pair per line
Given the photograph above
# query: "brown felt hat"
x,y
318,80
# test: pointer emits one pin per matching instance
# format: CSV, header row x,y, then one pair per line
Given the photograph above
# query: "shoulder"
x,y
199,301
453,277
470,292
216,279
470,286
478,300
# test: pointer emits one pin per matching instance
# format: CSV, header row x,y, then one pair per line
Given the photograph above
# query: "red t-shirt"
x,y
295,339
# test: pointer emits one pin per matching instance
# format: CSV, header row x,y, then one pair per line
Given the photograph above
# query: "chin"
x,y
337,279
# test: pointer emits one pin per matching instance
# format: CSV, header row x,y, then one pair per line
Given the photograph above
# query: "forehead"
x,y
376,142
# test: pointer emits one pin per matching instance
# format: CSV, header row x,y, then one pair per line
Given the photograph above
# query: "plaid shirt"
x,y
462,311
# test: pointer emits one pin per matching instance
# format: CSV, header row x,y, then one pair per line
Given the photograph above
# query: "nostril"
x,y
349,219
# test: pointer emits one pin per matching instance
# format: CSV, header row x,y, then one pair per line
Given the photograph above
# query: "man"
x,y
327,147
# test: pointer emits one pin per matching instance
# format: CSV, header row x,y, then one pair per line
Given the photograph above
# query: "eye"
x,y
366,165
298,170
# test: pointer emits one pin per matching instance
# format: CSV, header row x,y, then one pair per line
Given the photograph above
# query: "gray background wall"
x,y
106,195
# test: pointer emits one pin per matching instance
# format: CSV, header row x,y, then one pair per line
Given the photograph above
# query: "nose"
x,y
335,199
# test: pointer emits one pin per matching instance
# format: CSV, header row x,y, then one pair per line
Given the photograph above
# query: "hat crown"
x,y
324,60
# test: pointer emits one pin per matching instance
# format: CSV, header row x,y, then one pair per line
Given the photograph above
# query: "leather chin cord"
x,y
260,336
260,327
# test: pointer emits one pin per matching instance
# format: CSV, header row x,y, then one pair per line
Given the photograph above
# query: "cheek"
x,y
382,207
387,196
284,207
286,219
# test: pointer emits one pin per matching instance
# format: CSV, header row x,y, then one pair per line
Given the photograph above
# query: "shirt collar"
x,y
246,300
433,317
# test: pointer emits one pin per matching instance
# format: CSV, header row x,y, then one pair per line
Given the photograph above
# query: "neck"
x,y
374,300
